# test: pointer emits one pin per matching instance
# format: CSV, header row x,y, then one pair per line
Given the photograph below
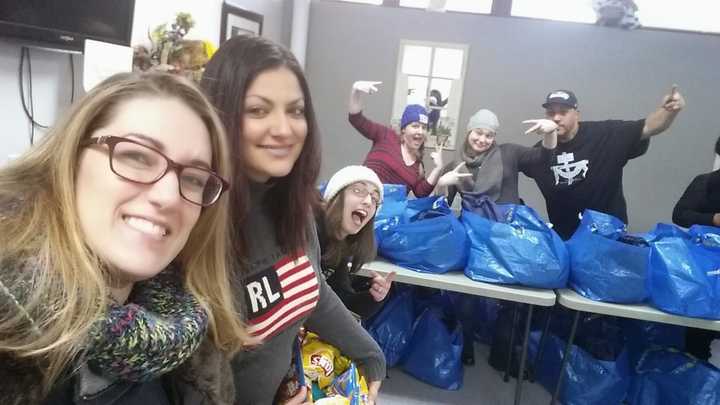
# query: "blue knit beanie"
x,y
413,113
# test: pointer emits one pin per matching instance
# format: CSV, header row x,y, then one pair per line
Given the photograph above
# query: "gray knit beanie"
x,y
484,119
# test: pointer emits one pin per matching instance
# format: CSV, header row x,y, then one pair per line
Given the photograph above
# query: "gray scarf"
x,y
486,169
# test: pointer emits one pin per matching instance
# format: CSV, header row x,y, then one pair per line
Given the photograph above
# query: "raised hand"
x,y
453,177
380,286
437,156
368,87
541,126
673,101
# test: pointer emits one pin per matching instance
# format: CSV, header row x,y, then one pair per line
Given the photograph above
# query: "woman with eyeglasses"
x,y
113,277
263,97
345,226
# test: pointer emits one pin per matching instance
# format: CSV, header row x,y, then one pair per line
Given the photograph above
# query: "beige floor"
x,y
482,385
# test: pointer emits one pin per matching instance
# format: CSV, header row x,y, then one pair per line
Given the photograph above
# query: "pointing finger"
x,y
458,167
533,129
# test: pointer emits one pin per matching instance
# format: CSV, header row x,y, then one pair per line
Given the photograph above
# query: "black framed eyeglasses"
x,y
143,164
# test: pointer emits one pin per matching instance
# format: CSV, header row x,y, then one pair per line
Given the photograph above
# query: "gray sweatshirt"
x,y
282,293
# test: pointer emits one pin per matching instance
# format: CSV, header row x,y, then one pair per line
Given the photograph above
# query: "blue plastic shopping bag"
x,y
602,266
392,328
667,376
684,271
434,355
644,335
520,250
481,204
425,237
395,192
587,380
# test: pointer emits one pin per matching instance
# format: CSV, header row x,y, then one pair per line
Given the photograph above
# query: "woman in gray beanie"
x,y
485,167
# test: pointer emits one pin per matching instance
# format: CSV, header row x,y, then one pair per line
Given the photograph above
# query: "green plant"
x,y
166,42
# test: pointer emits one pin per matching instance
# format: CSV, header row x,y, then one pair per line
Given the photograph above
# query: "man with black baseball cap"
x,y
586,168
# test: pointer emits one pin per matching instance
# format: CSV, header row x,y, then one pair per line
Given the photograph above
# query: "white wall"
x,y
51,94
51,70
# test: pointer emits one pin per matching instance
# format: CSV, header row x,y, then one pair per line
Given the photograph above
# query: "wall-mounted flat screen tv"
x,y
65,24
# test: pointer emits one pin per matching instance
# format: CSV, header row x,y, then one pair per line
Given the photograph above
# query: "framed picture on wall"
x,y
236,21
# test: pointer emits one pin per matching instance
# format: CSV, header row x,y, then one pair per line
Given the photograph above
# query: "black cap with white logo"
x,y
563,97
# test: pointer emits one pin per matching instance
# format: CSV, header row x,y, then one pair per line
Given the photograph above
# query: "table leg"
x,y
566,356
541,344
523,355
506,376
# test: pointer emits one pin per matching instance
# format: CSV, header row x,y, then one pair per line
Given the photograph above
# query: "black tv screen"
x,y
66,24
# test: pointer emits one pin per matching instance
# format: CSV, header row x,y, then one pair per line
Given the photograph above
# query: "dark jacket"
x,y
700,201
205,379
353,290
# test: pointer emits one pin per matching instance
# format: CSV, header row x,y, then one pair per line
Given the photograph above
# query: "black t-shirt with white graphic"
x,y
587,172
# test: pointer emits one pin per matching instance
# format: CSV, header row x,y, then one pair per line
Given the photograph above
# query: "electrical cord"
x,y
72,78
29,113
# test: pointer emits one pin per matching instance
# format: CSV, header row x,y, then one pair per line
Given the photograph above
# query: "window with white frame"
x,y
691,15
561,10
431,74
376,2
467,6
687,15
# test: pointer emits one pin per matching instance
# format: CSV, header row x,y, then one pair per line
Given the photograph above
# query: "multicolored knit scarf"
x,y
159,328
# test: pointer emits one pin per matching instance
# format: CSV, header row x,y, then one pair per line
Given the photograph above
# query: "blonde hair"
x,y
65,286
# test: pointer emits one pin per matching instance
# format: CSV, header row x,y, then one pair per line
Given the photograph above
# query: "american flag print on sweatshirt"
x,y
280,295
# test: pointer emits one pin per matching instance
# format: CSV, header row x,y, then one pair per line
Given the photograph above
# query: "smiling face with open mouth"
x,y
138,229
413,136
361,201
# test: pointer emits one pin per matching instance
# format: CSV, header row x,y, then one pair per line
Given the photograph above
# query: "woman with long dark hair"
x,y
263,99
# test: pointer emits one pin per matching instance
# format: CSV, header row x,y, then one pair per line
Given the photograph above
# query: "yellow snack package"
x,y
318,360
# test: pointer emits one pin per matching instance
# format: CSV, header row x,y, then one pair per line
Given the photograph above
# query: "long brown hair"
x,y
292,198
63,288
360,246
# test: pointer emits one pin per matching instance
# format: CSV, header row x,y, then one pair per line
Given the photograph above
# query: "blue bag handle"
x,y
603,224
708,236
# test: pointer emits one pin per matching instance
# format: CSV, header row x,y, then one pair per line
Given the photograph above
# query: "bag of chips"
x,y
321,361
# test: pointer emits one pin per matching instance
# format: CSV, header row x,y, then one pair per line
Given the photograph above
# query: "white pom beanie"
x,y
349,175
